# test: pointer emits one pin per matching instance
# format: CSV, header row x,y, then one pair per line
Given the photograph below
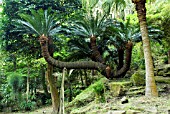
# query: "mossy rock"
x,y
167,74
119,88
161,79
161,73
138,78
85,96
166,69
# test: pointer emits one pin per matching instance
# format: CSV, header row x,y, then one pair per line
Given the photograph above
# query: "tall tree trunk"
x,y
70,92
151,89
53,89
87,79
42,73
28,79
51,80
81,78
35,85
15,63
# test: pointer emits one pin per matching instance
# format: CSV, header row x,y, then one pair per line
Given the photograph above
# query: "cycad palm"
x,y
120,35
79,49
41,23
90,27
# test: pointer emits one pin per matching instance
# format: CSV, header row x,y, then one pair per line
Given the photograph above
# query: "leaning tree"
x,y
151,89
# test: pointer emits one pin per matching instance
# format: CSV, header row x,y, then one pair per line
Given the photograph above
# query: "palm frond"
x,y
39,22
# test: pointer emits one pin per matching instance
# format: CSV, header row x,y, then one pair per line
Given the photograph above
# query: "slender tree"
x,y
151,89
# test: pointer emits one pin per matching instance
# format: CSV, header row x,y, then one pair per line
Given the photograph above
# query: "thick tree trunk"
x,y
151,89
106,70
120,57
68,65
42,73
51,80
123,70
53,89
96,54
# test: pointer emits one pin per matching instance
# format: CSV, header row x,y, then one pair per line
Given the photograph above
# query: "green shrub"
x,y
99,90
15,80
27,105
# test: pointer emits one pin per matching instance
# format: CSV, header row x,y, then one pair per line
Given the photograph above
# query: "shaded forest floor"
x,y
136,103
140,104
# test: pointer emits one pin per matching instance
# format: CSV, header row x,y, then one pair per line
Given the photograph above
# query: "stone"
x,y
167,74
116,112
161,79
118,88
161,73
169,111
138,78
133,112
139,90
124,100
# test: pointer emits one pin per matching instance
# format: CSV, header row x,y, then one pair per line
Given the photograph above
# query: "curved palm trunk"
x,y
126,66
106,70
68,65
120,57
96,54
151,89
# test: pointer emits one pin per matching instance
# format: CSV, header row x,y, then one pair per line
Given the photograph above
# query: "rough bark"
x,y
126,66
42,73
95,53
53,89
120,57
51,80
68,65
105,70
151,89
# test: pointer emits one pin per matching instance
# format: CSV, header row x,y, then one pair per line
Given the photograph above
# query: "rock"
x,y
161,73
124,100
132,112
44,112
161,79
136,91
152,110
169,111
166,68
118,88
116,112
138,78
167,74
163,70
